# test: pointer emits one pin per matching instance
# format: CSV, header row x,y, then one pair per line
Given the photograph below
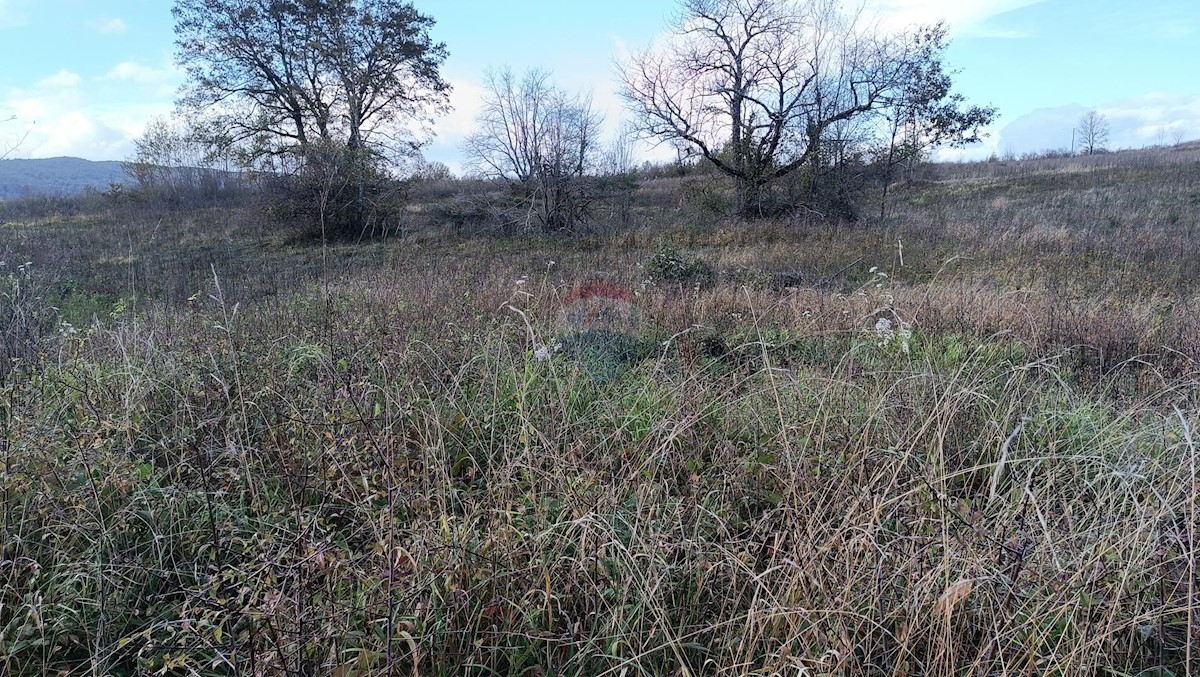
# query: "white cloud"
x,y
64,79
109,25
140,74
81,131
64,115
77,134
466,100
466,97
1153,118
964,17
13,13
1041,129
1137,122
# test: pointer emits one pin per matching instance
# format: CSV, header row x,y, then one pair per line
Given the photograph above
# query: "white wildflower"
x,y
892,335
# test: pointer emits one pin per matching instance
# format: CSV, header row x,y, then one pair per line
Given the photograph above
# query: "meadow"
x,y
957,439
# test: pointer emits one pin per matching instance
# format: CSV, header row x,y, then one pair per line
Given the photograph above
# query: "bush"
x,y
171,166
433,181
707,194
477,206
832,193
668,265
337,194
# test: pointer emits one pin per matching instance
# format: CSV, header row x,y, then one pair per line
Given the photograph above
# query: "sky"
x,y
81,77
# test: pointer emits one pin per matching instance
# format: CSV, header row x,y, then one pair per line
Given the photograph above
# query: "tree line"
x,y
783,98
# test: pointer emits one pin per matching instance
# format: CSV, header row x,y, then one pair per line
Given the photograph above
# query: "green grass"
x,y
250,456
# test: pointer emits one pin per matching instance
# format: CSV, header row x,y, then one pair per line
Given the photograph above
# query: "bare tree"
x,y
1091,134
541,140
621,156
430,171
10,148
172,164
753,85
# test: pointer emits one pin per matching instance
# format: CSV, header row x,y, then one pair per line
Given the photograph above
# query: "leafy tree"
x,y
286,74
924,112
284,83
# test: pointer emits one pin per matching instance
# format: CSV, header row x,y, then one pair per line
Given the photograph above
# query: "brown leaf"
x,y
953,595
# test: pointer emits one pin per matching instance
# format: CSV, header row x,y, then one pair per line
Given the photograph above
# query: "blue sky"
x,y
83,76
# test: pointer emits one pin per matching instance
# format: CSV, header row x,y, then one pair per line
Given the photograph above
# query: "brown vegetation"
x,y
236,453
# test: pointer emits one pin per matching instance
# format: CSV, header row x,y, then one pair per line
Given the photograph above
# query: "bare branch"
x,y
752,85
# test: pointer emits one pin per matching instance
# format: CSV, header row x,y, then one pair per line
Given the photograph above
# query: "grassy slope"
x,y
345,464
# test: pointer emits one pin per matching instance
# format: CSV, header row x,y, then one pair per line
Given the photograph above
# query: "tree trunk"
x,y
887,167
358,169
750,198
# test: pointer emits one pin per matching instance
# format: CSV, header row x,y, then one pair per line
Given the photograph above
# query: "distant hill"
x,y
56,176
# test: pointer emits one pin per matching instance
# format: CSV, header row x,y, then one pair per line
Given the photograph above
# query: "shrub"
x,y
337,194
833,193
707,195
26,315
476,206
668,265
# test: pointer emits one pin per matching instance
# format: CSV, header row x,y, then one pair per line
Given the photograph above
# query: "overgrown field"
x,y
961,439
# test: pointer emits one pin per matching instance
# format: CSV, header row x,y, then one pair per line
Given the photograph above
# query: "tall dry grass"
x,y
239,458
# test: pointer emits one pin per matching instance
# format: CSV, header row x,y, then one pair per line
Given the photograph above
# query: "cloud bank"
x,y
1136,122
64,114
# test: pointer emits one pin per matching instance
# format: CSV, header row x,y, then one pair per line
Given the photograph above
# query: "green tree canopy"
x,y
275,77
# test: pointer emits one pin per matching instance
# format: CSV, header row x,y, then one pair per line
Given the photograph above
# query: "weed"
x,y
666,264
